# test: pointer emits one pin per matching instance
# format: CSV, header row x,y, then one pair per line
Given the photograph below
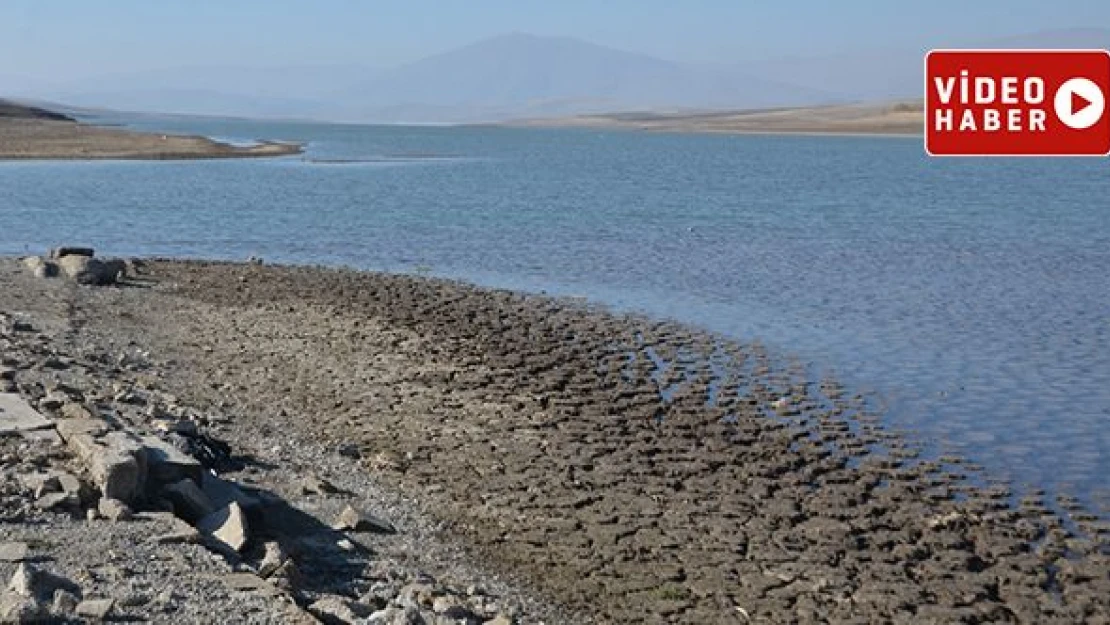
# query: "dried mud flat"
x,y
626,470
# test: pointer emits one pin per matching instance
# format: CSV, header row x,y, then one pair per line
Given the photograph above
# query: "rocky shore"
x,y
411,450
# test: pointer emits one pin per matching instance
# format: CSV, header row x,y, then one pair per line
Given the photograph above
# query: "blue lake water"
x,y
972,296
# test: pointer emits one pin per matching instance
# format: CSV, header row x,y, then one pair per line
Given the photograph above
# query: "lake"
x,y
969,297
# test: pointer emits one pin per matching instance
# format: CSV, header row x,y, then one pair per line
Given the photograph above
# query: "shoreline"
x,y
714,131
537,432
38,139
892,119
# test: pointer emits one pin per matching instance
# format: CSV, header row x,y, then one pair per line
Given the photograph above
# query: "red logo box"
x,y
1017,103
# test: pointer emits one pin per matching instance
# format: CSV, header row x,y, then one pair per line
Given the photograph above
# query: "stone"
x,y
189,501
116,462
452,608
18,417
353,520
89,271
65,602
176,426
336,610
57,501
312,485
249,582
96,609
227,525
185,536
40,267
69,428
53,401
500,619
30,581
40,483
287,577
75,410
167,464
70,483
114,509
385,616
19,609
69,250
14,551
222,492
272,559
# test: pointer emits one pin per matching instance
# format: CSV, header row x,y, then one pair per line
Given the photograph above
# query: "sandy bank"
x,y
65,140
632,470
904,118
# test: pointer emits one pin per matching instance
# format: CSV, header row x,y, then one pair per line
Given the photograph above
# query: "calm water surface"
x,y
972,296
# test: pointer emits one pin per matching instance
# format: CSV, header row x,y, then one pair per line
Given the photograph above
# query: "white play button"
x,y
1079,103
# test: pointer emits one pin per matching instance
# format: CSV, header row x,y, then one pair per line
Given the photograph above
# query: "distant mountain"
x,y
517,75
521,76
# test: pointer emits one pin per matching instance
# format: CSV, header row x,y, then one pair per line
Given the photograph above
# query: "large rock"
x,y
116,461
166,464
70,250
87,270
228,526
222,492
189,501
40,268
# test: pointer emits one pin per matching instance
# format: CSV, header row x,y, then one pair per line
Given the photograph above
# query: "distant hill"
x,y
892,118
522,76
12,110
517,75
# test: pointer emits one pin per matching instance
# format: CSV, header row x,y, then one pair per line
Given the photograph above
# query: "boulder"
x,y
64,250
40,268
189,501
167,464
116,461
222,492
91,271
228,526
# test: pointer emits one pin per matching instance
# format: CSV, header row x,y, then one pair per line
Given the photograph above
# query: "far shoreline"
x,y
893,119
53,139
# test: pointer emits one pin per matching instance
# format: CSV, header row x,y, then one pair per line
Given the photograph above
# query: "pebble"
x,y
353,520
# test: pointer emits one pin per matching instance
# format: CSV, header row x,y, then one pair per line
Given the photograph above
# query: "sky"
x,y
72,39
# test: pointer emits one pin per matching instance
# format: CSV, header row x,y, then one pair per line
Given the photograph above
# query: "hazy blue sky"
x,y
61,39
